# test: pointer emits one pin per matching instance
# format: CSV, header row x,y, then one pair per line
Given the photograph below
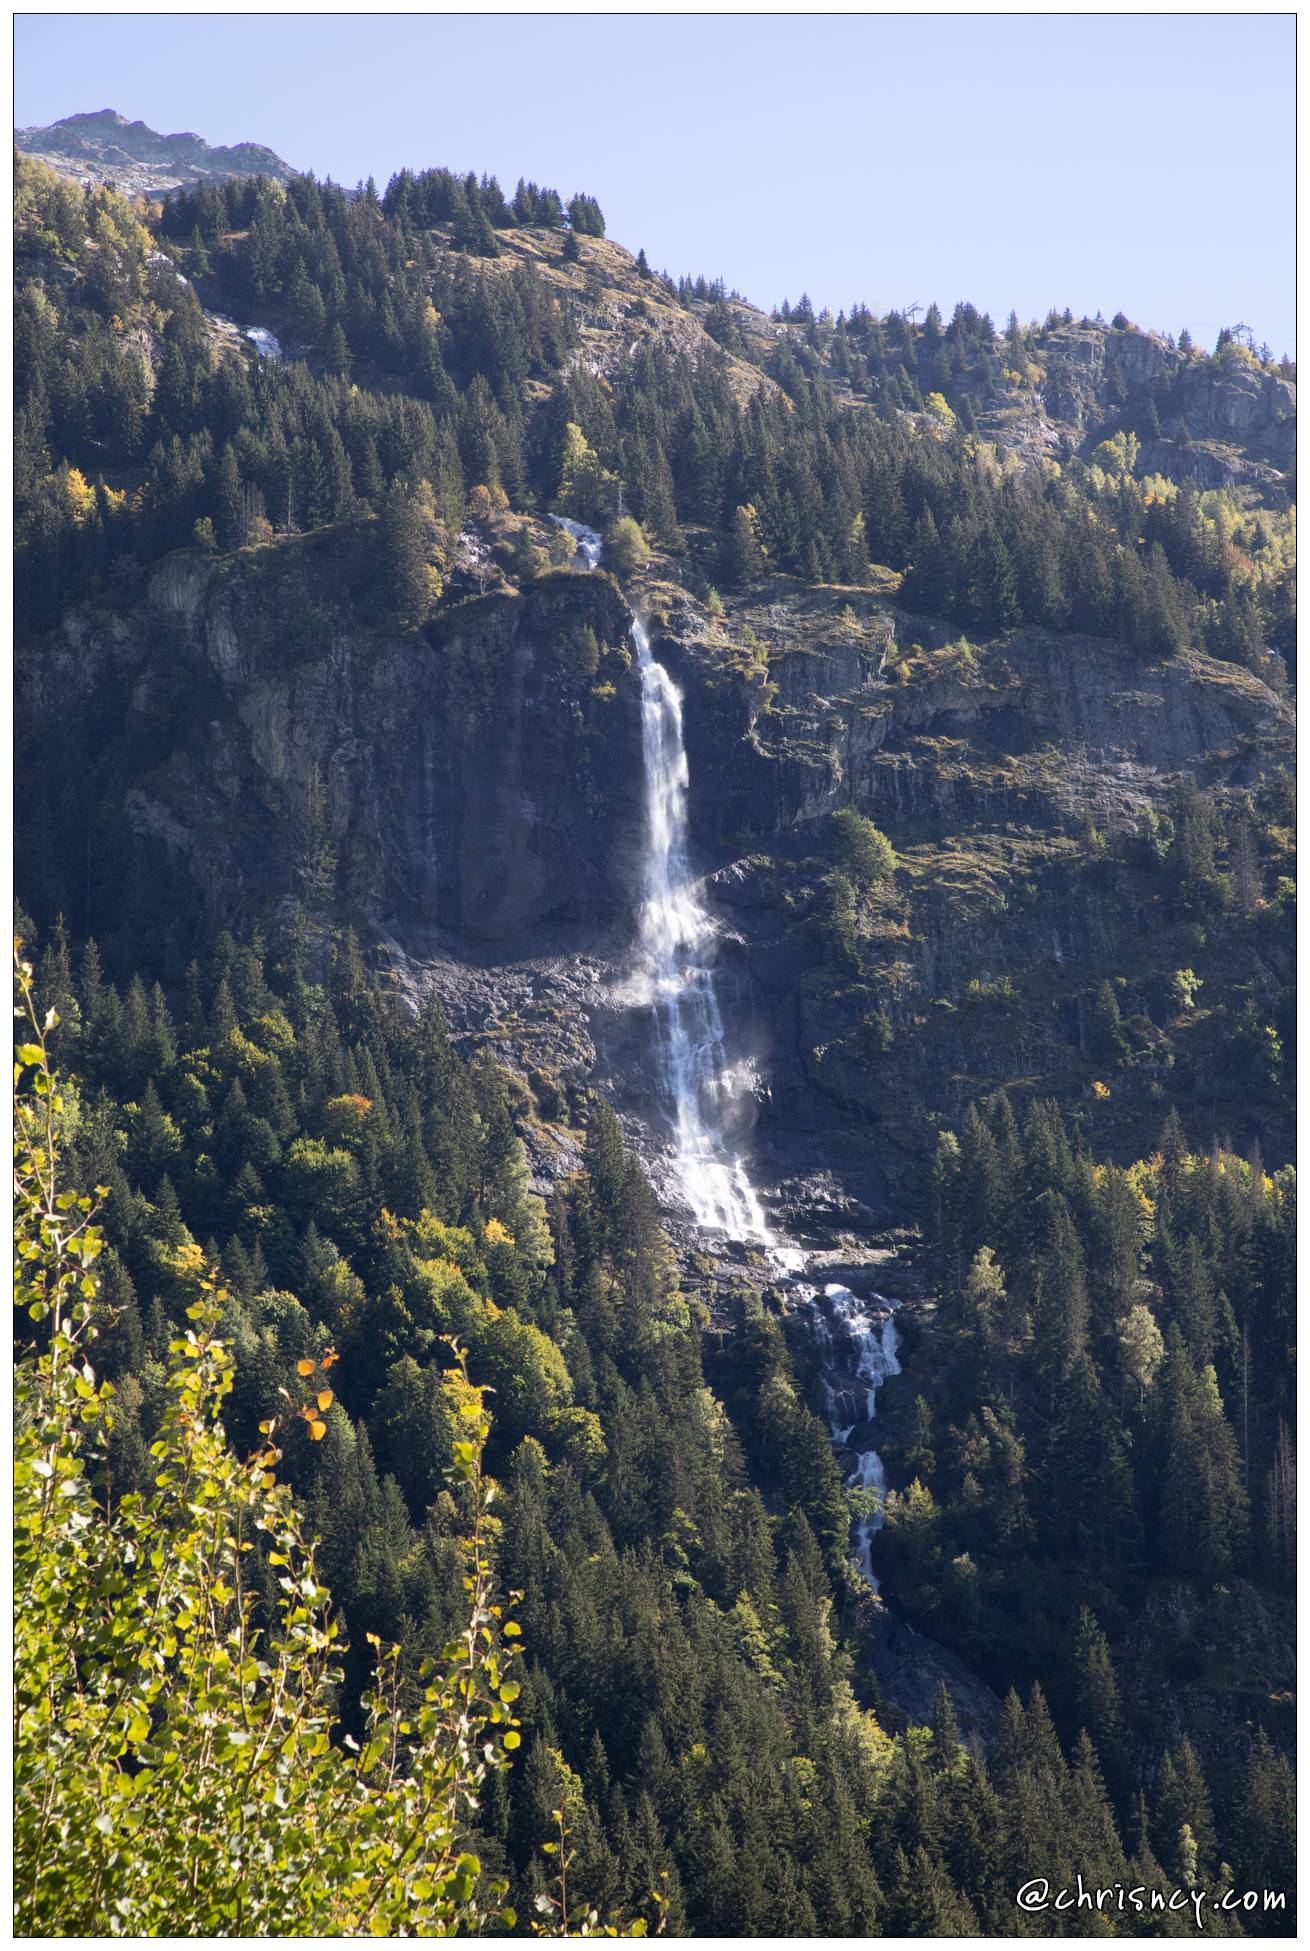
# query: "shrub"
x,y
862,850
626,547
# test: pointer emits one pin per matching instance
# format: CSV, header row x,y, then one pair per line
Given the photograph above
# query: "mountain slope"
x,y
329,819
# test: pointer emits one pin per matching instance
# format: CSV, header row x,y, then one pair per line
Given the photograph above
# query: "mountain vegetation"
x,y
331,1397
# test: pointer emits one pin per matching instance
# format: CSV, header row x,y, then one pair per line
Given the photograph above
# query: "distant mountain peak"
x,y
100,117
106,146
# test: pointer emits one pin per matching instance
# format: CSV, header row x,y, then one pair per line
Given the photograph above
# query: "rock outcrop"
x,y
901,717
1239,420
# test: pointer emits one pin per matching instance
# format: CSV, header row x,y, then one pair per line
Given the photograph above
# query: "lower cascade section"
x,y
857,1340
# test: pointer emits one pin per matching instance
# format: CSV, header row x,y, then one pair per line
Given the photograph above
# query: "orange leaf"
x,y
318,1431
304,1368
325,1399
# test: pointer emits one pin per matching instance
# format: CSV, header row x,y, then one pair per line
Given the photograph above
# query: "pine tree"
x,y
1281,1502
1060,1311
409,581
929,583
336,351
1107,1042
1203,1507
1098,1704
743,558
1265,1840
1183,1803
946,1750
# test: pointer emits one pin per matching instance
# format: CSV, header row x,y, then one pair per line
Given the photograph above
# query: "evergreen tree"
x,y
744,561
408,579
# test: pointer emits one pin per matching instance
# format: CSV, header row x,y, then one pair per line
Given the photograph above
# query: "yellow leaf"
x,y
318,1431
325,1398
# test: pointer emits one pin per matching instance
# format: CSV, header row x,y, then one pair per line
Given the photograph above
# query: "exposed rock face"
x,y
106,147
972,735
472,779
1248,414
1244,404
988,766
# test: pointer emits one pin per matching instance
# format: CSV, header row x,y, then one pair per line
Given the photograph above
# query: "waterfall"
x,y
677,941
586,541
697,1088
677,946
859,1339
265,344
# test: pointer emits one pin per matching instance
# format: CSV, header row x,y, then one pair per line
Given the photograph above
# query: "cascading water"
x,y
677,938
859,1343
587,543
265,343
696,1087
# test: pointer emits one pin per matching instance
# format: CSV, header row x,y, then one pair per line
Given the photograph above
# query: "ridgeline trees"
x,y
409,580
411,360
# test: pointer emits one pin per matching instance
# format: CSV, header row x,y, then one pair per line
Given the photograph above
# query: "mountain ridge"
x,y
106,146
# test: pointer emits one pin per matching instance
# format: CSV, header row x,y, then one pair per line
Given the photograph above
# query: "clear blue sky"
x,y
1134,163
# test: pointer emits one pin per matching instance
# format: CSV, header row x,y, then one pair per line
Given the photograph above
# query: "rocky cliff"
x,y
850,700
471,796
482,777
1226,420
